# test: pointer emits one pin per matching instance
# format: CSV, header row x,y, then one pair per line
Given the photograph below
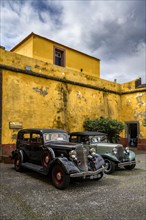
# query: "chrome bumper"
x,y
88,173
127,163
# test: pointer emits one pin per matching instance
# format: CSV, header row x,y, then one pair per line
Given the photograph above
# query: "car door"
x,y
24,144
36,147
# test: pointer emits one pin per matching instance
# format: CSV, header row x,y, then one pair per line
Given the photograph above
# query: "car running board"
x,y
35,167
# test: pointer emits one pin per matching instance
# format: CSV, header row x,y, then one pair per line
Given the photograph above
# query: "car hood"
x,y
108,145
62,145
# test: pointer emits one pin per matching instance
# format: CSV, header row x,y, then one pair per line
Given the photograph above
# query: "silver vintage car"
x,y
114,155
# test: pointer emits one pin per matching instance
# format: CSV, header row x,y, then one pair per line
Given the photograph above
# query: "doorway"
x,y
132,130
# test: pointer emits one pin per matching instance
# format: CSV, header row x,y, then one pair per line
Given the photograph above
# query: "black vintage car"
x,y
48,151
114,155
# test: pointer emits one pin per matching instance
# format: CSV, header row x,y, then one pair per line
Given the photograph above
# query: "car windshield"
x,y
55,137
97,139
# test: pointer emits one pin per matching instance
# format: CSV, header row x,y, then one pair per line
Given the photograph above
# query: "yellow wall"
x,y
134,109
36,101
39,102
26,48
20,61
87,103
77,61
43,50
29,100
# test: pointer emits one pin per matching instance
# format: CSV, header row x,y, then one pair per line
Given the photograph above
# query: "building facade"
x,y
44,84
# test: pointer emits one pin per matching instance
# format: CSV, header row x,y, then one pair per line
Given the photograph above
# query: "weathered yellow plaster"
x,y
35,100
134,109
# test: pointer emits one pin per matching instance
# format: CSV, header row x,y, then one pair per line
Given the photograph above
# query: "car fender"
x,y
68,166
51,152
132,155
110,157
99,161
15,153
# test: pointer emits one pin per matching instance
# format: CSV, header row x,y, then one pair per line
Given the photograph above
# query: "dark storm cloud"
x,y
119,36
44,6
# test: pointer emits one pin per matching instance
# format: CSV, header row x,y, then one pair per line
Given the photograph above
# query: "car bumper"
x,y
86,174
127,163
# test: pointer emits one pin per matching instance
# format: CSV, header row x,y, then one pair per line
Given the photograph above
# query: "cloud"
x,y
129,67
20,18
113,31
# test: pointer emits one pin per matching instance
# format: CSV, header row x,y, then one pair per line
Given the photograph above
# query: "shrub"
x,y
109,126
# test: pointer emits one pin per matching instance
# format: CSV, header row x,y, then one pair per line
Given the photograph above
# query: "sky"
x,y
112,31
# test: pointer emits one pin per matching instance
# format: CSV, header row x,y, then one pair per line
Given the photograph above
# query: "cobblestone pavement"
x,y
31,196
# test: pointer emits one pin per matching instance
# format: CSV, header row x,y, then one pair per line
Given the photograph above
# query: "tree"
x,y
109,126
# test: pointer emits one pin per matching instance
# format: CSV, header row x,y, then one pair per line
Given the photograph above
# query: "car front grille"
x,y
121,154
82,158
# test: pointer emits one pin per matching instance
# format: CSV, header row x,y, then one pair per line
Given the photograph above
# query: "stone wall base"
x,y
6,159
6,152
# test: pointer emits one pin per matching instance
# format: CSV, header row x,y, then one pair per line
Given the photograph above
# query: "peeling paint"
x,y
14,136
80,96
142,114
129,87
42,91
139,99
36,66
139,114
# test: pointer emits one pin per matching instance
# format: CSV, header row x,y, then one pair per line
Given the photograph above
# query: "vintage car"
x,y
49,152
114,155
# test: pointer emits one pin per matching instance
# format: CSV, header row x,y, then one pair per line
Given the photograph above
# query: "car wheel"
x,y
46,159
109,166
130,167
18,162
59,178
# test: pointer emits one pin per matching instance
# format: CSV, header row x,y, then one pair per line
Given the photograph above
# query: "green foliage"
x,y
109,126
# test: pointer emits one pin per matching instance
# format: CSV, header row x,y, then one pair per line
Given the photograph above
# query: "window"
x,y
26,137
59,56
74,139
36,138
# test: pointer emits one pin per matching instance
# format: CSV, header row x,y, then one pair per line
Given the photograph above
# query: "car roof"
x,y
43,130
87,133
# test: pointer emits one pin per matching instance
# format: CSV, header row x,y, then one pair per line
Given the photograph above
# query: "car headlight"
x,y
73,154
115,150
93,151
127,149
